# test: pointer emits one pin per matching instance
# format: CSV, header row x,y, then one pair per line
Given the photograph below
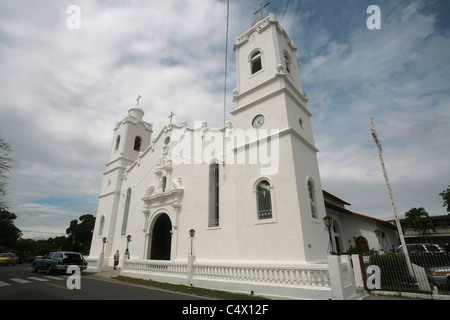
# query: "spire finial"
x,y
261,9
171,116
138,98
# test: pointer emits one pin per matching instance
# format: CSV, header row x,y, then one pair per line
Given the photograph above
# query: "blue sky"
x,y
62,91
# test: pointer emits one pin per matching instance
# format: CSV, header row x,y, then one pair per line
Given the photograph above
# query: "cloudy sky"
x,y
62,90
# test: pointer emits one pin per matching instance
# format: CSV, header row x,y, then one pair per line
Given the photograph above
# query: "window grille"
x,y
264,198
312,198
214,196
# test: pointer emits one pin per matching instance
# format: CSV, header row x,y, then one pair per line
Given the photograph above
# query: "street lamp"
x,y
103,244
126,250
192,234
329,224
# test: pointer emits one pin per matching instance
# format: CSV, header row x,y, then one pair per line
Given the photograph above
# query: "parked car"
x,y
421,248
59,261
440,276
9,257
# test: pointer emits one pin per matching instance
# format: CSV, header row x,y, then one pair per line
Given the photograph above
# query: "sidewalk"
x,y
107,272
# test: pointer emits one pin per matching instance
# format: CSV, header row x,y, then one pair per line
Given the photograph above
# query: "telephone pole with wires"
x,y
397,221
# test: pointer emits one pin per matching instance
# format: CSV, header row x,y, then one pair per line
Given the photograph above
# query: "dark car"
x,y
59,262
421,248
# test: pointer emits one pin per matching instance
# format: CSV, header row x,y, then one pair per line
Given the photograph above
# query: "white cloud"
x,y
398,75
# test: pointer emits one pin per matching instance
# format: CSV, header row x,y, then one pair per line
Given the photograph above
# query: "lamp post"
x,y
191,257
103,244
329,224
192,234
126,250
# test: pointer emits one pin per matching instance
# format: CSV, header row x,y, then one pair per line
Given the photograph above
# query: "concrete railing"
x,y
157,266
301,275
93,264
159,270
334,280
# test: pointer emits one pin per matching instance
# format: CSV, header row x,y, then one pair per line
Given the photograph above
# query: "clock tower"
x,y
269,95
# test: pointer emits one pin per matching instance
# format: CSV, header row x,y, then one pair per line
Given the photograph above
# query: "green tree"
x,y
9,233
5,167
445,194
420,221
80,234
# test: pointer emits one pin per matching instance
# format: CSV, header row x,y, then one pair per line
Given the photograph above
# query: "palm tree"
x,y
419,219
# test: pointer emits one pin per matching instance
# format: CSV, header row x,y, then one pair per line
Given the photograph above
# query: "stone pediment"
x,y
172,196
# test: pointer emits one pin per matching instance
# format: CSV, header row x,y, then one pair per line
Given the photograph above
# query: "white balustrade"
x,y
304,281
157,266
307,275
296,275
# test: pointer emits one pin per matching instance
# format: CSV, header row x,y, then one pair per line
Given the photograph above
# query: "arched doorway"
x,y
361,243
161,238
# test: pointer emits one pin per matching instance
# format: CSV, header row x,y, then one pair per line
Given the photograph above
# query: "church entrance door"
x,y
161,238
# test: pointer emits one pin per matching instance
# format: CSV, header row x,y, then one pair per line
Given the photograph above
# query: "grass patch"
x,y
215,294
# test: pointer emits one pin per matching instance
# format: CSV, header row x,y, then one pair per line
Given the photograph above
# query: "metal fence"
x,y
428,272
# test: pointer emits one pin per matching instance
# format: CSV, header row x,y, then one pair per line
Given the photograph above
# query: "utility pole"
x,y
397,221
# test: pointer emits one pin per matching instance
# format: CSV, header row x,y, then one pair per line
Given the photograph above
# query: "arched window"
x,y
213,219
287,60
256,62
312,198
125,213
102,223
117,143
137,144
264,200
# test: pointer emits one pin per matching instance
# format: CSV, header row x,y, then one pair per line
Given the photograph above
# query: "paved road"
x,y
20,283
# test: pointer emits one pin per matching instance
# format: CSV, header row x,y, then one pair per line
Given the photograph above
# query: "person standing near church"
x,y
116,259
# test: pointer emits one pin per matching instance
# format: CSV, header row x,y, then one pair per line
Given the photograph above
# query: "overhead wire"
x,y
287,4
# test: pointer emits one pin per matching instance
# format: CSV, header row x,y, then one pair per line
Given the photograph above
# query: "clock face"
x,y
258,121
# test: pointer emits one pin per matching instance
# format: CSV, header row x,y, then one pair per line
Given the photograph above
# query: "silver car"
x,y
440,276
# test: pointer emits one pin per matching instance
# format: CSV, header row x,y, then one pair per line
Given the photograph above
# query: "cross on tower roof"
x,y
261,9
171,116
138,98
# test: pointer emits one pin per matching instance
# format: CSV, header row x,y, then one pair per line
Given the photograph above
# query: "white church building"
x,y
251,190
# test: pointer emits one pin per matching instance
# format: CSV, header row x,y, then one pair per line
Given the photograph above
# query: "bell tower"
x,y
131,136
269,95
266,69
